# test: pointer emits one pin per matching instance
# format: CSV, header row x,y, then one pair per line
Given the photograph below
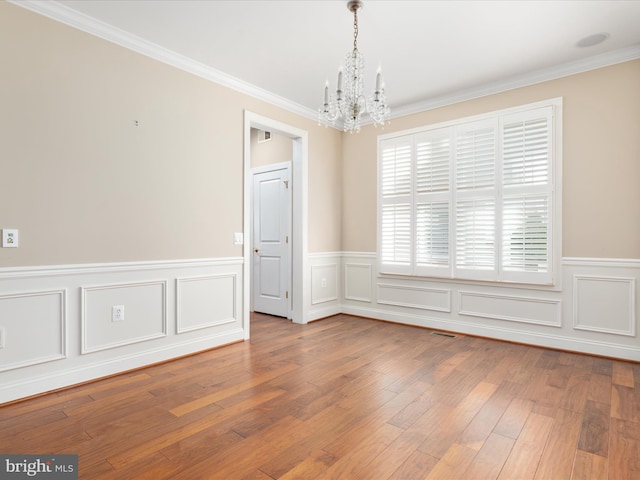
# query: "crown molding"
x,y
518,81
68,16
80,21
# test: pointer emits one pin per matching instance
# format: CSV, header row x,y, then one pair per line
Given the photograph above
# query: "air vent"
x,y
263,136
442,334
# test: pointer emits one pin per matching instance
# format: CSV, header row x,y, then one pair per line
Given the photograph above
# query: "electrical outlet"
x,y
117,313
2,337
324,283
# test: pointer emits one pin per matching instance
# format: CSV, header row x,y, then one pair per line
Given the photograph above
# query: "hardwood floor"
x,y
347,398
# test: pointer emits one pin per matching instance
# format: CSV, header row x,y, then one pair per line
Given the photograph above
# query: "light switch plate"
x,y
9,238
238,238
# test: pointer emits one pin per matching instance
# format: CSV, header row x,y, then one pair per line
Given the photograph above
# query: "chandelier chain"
x,y
355,29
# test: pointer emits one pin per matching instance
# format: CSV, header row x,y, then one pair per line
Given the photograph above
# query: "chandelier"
x,y
349,102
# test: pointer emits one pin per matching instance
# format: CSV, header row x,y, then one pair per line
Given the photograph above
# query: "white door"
x,y
271,242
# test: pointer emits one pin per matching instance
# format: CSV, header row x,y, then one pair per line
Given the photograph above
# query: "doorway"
x,y
299,242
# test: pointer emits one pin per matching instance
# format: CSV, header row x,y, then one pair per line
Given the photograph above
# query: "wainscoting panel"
x,y
144,315
324,283
410,296
32,328
604,304
203,302
538,311
325,297
357,282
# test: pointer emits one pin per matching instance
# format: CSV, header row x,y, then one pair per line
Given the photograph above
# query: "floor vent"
x,y
442,334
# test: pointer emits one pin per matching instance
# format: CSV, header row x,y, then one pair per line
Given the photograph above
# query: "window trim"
x,y
450,272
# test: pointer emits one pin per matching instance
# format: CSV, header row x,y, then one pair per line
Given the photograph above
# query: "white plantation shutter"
x,y
433,161
527,198
475,237
527,148
432,234
525,234
396,168
395,235
472,199
475,180
432,197
476,155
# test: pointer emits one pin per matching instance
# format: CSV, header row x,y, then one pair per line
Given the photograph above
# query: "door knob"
x,y
255,250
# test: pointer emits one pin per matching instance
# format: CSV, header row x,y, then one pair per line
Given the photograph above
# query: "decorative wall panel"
x,y
357,282
203,302
324,283
144,314
540,311
604,304
32,328
424,298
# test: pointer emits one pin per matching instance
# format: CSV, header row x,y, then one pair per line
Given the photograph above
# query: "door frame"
x,y
299,221
257,171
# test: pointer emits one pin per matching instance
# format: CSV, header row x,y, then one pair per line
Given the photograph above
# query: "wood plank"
x,y
624,450
594,433
389,460
453,464
622,374
588,466
311,467
623,403
351,463
488,463
600,389
482,425
524,458
514,418
449,428
576,391
557,457
418,465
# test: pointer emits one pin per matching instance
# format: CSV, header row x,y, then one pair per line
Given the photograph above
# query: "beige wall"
x,y
278,149
84,184
601,161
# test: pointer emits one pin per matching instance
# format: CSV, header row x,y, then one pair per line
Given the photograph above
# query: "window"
x,y
472,199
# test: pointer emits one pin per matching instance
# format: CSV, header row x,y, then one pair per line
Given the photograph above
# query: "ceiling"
x,y
429,51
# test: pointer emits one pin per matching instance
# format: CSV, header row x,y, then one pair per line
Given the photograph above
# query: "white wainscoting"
x,y
205,302
424,298
56,322
325,285
32,328
145,314
594,309
604,304
357,281
56,328
541,311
